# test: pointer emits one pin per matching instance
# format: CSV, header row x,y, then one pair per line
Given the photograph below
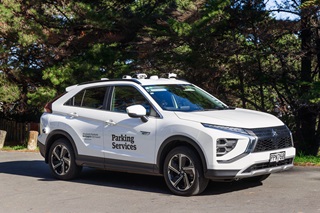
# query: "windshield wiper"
x,y
221,108
231,107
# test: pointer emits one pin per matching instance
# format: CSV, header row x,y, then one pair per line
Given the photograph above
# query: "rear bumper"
x,y
42,149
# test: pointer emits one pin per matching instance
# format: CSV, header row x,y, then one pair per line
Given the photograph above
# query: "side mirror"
x,y
137,111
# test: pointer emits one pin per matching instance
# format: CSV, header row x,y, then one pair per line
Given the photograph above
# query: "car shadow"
x,y
216,188
156,184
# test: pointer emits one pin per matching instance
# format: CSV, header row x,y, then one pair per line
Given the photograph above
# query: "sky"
x,y
271,4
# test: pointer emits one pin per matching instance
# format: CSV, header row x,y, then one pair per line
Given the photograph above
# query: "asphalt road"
x,y
26,185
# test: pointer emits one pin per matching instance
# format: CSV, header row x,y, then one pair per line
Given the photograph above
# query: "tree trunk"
x,y
307,116
307,137
32,142
2,138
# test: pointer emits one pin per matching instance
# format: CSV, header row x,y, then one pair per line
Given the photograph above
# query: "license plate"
x,y
276,157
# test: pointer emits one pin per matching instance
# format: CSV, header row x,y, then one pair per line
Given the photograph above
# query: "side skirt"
x,y
117,165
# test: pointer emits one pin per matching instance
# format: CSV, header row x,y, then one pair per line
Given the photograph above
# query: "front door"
x,y
125,138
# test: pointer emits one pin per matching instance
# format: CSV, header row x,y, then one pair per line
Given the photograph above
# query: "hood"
x,y
241,118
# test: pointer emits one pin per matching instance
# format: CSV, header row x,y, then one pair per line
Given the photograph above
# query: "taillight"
x,y
48,106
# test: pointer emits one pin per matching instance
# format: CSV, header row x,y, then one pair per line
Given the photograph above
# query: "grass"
x,y
302,160
11,148
307,160
17,148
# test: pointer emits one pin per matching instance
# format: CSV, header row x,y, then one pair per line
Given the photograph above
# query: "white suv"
x,y
163,127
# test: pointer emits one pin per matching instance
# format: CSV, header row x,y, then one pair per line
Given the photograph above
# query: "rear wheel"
x,y
62,160
183,172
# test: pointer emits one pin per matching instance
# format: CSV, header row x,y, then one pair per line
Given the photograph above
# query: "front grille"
x,y
268,165
272,138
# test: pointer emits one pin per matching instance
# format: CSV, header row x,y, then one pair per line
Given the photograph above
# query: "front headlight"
x,y
226,145
226,128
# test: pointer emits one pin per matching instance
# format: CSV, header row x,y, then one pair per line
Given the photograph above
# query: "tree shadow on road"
x,y
33,168
40,170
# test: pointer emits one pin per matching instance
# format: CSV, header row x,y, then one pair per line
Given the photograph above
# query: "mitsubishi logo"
x,y
274,133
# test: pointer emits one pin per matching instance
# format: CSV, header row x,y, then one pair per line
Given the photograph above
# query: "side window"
x,y
89,98
124,96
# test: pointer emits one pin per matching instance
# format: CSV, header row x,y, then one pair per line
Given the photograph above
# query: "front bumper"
x,y
251,171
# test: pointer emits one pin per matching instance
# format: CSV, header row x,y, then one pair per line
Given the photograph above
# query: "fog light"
x,y
225,145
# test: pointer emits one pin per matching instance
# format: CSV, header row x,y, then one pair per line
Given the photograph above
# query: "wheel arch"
x,y
175,141
55,135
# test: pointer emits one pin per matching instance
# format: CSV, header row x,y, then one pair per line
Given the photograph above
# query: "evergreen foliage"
x,y
235,49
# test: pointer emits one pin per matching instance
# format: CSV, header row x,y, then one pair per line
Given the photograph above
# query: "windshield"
x,y
183,97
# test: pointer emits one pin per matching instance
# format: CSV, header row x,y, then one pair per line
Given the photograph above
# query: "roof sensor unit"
x,y
140,76
126,77
172,75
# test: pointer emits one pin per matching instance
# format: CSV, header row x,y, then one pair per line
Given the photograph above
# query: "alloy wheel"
x,y
181,172
60,160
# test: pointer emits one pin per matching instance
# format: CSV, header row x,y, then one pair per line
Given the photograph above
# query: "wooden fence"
x,y
17,132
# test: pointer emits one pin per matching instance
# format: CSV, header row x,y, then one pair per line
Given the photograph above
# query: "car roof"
x,y
161,81
142,82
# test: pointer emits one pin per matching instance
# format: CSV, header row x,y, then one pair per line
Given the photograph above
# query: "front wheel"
x,y
183,172
62,160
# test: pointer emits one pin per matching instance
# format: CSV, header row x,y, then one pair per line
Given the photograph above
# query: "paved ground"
x,y
26,185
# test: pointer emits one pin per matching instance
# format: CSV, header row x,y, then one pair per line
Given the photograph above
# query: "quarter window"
x,y
89,98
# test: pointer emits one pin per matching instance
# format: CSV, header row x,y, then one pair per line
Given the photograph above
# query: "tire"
x,y
183,172
62,160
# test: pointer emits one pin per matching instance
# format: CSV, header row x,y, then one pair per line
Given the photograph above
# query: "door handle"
x,y
73,114
110,122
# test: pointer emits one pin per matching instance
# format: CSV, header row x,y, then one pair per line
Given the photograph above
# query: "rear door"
x,y
85,120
